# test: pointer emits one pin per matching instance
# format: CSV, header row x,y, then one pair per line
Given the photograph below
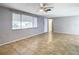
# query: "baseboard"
x,y
67,33
19,39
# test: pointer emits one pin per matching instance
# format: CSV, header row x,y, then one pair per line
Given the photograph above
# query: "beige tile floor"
x,y
44,44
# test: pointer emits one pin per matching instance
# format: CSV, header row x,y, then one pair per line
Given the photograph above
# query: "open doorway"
x,y
50,25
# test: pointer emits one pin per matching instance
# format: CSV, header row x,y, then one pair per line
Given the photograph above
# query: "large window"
x,y
22,21
27,21
16,23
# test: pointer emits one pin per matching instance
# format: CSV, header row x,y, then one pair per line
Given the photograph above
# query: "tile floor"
x,y
44,44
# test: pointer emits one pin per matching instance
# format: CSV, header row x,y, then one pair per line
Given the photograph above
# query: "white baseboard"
x,y
66,33
19,39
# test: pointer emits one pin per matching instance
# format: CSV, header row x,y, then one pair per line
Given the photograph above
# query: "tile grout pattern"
x,y
44,44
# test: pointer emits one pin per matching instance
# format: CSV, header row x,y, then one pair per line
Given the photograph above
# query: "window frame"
x,y
33,17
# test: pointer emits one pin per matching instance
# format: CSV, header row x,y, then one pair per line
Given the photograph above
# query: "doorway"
x,y
50,25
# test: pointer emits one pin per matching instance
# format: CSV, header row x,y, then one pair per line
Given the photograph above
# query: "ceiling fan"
x,y
44,7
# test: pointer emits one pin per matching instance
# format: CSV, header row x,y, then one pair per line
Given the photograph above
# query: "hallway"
x,y
44,44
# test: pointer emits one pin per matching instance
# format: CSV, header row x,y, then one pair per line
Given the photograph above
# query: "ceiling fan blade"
x,y
41,4
50,7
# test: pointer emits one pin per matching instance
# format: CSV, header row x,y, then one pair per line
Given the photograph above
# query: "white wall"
x,y
6,32
69,25
45,24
